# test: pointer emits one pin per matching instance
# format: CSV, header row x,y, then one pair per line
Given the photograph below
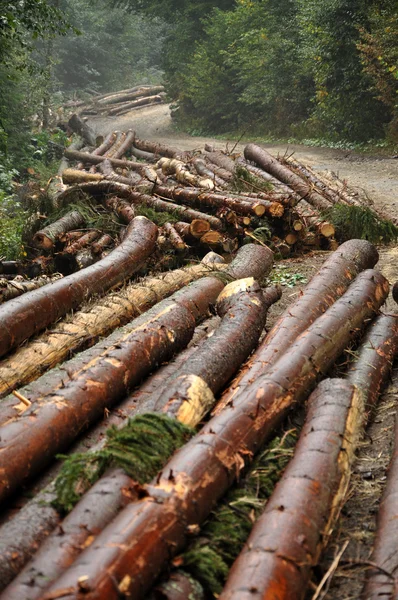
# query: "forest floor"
x,y
378,177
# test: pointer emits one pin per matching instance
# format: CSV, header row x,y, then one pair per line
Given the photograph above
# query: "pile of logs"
x,y
178,364
120,103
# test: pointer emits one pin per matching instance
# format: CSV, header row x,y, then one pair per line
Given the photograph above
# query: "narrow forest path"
x,y
378,177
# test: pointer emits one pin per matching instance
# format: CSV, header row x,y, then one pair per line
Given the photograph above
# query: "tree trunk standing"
x,y
132,550
331,281
23,317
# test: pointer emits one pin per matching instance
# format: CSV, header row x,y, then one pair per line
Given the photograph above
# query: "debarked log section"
x,y
243,308
67,402
322,291
22,317
132,550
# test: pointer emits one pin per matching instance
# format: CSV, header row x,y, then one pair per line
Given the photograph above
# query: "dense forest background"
x,y
283,68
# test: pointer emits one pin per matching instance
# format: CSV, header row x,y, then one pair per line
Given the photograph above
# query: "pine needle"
x,y
357,222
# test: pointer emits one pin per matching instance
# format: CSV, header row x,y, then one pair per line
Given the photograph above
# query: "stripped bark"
x,y
321,292
78,394
273,166
46,237
112,152
17,287
22,317
287,540
82,129
179,169
125,145
174,237
184,213
132,550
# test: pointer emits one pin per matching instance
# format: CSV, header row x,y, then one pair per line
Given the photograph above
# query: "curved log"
x,y
321,292
270,164
132,550
25,316
46,237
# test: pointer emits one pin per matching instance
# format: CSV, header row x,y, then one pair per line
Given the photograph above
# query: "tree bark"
x,y
222,161
110,175
23,317
202,169
156,148
102,244
106,145
125,145
15,287
313,219
132,550
395,292
128,96
273,166
66,403
83,241
87,325
96,160
322,291
118,110
46,237
82,129
123,209
176,240
192,232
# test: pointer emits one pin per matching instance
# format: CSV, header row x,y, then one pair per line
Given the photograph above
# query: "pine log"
x,y
122,208
395,292
242,206
221,160
70,236
184,213
82,242
46,237
82,129
131,551
110,175
125,145
307,501
16,287
106,144
25,316
321,292
178,168
146,105
96,160
117,140
192,232
96,189
273,166
142,155
80,391
128,96
227,176
202,169
102,244
313,219
113,151
118,110
156,148
174,237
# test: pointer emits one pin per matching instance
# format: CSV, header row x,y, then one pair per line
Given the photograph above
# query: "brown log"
x,y
82,242
184,213
273,166
181,172
314,220
395,292
46,237
82,129
202,169
227,176
102,244
118,110
70,236
321,292
156,148
128,110
242,206
77,395
174,237
116,142
131,551
25,316
142,155
106,144
180,586
192,232
96,189
244,310
87,325
110,175
125,145
306,502
96,160
120,139
128,96
16,287
123,209
212,238
291,238
221,160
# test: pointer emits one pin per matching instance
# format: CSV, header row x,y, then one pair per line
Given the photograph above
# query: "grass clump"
x,y
360,222
159,218
141,448
244,181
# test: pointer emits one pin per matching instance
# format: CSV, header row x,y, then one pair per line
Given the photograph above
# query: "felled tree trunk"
x,y
52,347
106,168
322,291
180,170
132,550
25,316
17,287
222,161
273,166
184,213
176,240
102,244
192,232
118,110
202,169
156,148
128,96
101,376
310,217
46,238
106,144
81,128
96,160
395,292
308,499
123,209
125,145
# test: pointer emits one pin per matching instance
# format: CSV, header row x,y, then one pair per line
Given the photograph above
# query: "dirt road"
x,y
378,177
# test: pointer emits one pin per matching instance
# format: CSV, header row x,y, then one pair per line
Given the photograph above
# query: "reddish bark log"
x,y
273,166
46,237
24,316
313,219
322,291
83,241
188,214
193,231
106,145
132,550
123,209
68,402
102,244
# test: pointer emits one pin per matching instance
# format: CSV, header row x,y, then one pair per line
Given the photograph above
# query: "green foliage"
x,y
281,274
357,222
159,218
210,557
141,448
244,181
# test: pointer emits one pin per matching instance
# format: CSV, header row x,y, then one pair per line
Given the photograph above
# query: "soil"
x,y
377,177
